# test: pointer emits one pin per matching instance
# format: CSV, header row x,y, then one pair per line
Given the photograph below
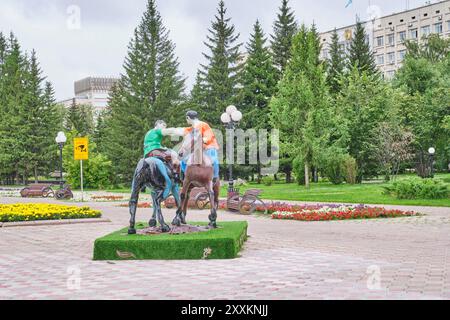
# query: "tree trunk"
x,y
307,174
35,174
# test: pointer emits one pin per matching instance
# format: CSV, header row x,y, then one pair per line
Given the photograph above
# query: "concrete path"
x,y
407,258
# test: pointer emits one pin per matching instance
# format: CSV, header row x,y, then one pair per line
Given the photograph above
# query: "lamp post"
x,y
231,119
432,152
61,140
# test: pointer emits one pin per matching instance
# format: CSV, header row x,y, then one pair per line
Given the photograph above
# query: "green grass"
x,y
224,242
366,193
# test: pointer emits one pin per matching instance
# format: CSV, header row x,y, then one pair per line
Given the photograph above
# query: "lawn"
x,y
367,193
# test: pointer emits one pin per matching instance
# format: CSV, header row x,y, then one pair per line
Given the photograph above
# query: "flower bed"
x,y
34,212
339,212
107,198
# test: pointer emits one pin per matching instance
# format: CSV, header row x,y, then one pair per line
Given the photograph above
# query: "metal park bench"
x,y
198,199
246,204
37,190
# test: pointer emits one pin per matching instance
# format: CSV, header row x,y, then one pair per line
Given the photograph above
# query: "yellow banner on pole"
x,y
81,148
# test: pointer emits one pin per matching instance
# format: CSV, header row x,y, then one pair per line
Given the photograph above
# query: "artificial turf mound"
x,y
222,243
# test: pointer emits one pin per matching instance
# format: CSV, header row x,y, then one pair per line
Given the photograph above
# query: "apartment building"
x,y
387,34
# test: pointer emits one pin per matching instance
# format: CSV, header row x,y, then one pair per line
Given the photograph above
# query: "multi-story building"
x,y
92,91
387,34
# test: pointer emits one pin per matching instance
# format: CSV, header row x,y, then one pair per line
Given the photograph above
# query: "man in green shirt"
x,y
154,148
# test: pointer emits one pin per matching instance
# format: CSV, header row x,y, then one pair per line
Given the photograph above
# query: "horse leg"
x,y
213,216
152,222
176,194
216,189
136,186
184,201
158,200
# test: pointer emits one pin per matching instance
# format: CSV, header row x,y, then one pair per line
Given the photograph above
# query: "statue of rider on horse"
x,y
159,170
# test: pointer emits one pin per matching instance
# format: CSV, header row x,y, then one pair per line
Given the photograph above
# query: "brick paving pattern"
x,y
406,258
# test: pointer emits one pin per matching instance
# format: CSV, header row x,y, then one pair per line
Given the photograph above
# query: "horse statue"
x,y
154,174
199,174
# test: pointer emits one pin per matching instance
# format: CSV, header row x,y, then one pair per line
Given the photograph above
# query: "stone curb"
x,y
51,222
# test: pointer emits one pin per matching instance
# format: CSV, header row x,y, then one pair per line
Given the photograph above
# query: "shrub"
x,y
267,181
298,168
334,166
351,170
417,188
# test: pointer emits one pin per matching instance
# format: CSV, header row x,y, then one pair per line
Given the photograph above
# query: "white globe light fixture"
x,y
236,116
61,138
432,151
231,109
225,118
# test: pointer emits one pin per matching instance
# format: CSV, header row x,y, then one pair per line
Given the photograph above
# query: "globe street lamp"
x,y
61,139
432,152
231,119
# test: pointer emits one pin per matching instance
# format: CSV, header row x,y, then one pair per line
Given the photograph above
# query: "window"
x,y
391,57
438,27
390,75
380,41
402,36
391,39
413,33
426,30
401,55
380,59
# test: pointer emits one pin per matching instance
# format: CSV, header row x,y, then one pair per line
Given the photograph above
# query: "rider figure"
x,y
210,144
154,148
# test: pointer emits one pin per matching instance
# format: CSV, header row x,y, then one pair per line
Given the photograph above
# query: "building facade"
x,y
387,34
93,91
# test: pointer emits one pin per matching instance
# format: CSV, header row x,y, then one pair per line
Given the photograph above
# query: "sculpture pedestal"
x,y
192,241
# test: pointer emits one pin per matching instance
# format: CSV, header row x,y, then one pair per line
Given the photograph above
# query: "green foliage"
x,y
217,81
301,109
333,165
80,117
298,168
363,103
224,243
336,64
150,87
29,118
417,188
97,171
284,29
267,181
351,170
360,54
259,80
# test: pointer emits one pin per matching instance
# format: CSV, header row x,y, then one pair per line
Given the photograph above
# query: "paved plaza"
x,y
405,258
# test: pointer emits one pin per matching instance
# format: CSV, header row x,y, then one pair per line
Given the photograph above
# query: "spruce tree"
x,y
81,118
284,29
336,63
360,53
219,77
259,80
150,89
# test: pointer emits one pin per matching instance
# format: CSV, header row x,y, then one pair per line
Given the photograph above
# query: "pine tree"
x,y
259,80
12,105
285,27
81,118
360,53
150,88
219,77
336,63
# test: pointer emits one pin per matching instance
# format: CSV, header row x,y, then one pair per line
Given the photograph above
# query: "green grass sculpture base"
x,y
222,243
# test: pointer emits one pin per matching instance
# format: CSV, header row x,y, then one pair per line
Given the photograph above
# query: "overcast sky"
x,y
68,53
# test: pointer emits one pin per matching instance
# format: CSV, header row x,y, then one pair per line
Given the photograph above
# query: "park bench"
x,y
37,190
198,199
246,204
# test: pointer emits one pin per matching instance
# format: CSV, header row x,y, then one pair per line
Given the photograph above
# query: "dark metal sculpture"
x,y
153,173
64,193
